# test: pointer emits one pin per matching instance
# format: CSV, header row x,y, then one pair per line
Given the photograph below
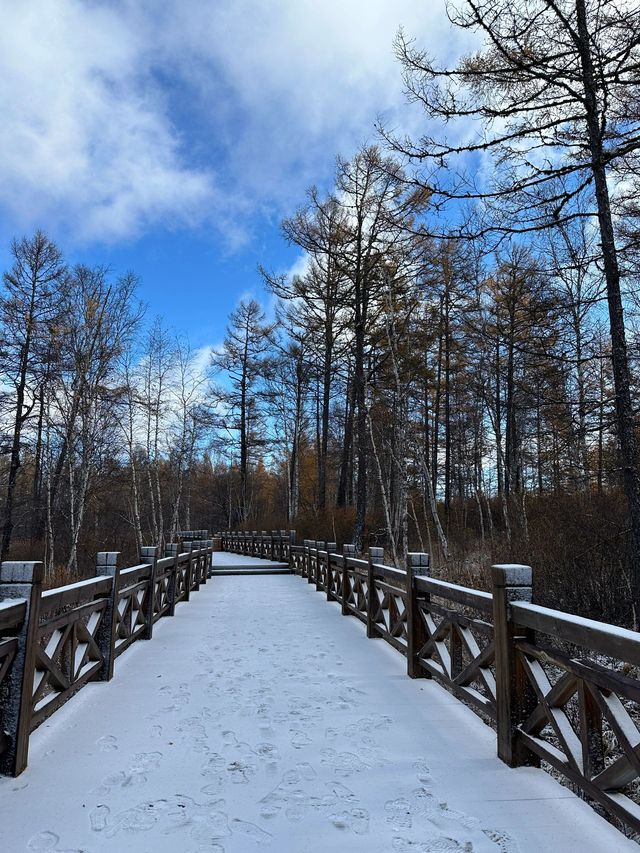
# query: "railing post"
x,y
203,571
108,563
331,547
292,542
373,602
193,579
209,547
149,554
319,547
513,693
171,550
20,580
347,551
307,559
417,564
197,559
274,547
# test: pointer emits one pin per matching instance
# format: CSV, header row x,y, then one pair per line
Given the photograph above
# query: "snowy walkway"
x,y
229,564
260,718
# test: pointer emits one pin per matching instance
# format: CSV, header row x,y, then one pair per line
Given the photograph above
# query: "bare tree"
x,y
99,316
551,89
242,359
29,310
372,189
320,229
189,420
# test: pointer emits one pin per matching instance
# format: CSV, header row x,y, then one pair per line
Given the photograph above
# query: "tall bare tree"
x,y
552,88
242,359
29,311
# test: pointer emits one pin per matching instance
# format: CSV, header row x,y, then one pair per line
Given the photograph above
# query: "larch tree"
x,y
242,359
380,209
554,90
319,228
29,312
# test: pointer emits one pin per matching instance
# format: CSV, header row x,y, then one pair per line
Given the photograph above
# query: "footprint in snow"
x,y
504,842
398,813
99,817
43,841
48,840
422,771
108,743
435,845
251,830
300,739
135,774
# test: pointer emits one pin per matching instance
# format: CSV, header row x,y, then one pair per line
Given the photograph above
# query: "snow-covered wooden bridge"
x,y
258,718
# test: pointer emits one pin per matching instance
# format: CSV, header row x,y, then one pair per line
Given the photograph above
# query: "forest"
x,y
452,367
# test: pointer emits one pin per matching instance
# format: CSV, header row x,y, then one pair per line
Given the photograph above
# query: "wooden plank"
x,y
590,671
482,601
70,616
460,619
391,590
598,637
134,573
59,699
165,564
397,644
394,576
466,694
66,596
12,614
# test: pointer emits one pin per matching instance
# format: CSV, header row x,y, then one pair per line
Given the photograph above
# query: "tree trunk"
x,y
624,410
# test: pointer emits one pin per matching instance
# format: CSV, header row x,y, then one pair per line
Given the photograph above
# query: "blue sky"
x,y
170,137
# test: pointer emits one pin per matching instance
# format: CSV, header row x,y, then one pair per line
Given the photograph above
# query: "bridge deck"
x,y
260,716
236,564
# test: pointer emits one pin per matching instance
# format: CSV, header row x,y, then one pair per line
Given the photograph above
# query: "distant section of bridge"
x,y
237,564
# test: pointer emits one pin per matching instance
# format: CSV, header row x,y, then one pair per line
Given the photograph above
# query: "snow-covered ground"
x,y
223,561
260,718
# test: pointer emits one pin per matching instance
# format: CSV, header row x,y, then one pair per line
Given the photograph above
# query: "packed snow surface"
x,y
259,718
225,562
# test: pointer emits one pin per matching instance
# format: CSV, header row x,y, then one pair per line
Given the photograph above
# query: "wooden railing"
x,y
274,546
561,692
54,642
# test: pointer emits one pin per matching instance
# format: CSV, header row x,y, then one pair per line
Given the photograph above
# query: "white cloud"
x,y
300,267
85,141
303,81
120,115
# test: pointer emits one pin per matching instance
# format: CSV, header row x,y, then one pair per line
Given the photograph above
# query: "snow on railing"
x,y
561,691
54,642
